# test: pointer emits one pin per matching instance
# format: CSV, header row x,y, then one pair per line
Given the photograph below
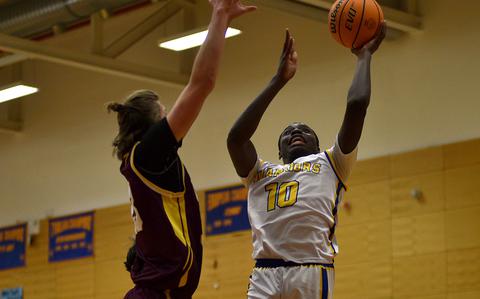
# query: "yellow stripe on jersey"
x,y
189,262
174,206
175,210
188,265
151,185
335,168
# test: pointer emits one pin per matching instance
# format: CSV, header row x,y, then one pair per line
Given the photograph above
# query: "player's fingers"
x,y
289,46
294,57
287,36
285,43
381,36
250,8
292,49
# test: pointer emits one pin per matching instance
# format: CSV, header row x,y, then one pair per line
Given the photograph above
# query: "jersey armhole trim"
x,y
332,163
152,185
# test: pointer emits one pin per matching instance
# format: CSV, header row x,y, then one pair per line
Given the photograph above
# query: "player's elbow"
x,y
234,138
358,103
206,83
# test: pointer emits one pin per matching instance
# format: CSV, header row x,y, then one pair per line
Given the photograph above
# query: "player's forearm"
x,y
360,90
205,67
247,123
357,104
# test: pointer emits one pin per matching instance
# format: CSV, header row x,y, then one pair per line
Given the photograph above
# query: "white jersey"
x,y
293,208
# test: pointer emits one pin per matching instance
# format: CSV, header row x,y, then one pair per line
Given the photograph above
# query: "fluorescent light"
x,y
16,91
193,40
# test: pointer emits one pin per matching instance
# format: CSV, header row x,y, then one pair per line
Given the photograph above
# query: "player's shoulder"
x,y
312,157
266,164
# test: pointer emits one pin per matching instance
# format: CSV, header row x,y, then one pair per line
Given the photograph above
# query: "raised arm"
x,y
241,149
358,95
205,68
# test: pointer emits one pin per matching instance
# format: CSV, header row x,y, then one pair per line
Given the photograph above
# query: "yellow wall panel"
x,y
113,216
417,162
75,279
462,187
420,275
348,283
371,170
368,202
461,154
442,296
113,242
364,280
463,270
227,265
111,277
464,295
432,199
418,234
463,228
363,242
39,282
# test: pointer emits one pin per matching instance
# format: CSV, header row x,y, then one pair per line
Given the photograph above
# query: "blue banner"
x,y
13,242
16,293
226,210
70,237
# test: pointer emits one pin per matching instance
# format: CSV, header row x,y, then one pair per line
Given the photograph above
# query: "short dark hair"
x,y
134,116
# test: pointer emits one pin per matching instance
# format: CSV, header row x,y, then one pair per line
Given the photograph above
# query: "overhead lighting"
x,y
192,40
16,91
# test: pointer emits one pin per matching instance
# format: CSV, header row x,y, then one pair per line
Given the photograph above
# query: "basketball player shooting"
x,y
293,207
166,260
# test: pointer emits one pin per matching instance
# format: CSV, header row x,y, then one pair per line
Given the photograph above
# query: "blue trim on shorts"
x,y
275,263
324,284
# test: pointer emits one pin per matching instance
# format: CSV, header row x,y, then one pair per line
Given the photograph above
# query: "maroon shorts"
x,y
147,293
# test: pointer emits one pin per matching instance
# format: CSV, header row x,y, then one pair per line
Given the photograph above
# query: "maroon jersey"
x,y
166,216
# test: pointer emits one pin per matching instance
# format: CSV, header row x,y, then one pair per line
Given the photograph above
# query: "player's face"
x,y
297,140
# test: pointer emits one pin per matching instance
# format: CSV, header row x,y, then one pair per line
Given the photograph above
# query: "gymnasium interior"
x,y
409,225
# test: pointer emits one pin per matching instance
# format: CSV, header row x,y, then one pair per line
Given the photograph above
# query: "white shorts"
x,y
292,282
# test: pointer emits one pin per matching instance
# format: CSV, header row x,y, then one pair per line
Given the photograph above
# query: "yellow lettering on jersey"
x,y
290,167
297,167
272,195
287,195
316,168
306,166
269,172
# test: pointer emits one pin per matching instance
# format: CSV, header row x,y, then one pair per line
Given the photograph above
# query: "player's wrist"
x,y
279,81
365,54
221,12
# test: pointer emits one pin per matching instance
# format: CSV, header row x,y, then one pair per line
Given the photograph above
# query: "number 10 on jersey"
x,y
282,195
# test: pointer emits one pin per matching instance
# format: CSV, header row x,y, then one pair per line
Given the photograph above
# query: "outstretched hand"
x,y
288,60
233,8
373,45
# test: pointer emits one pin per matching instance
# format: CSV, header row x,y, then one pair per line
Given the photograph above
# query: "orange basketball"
x,y
354,22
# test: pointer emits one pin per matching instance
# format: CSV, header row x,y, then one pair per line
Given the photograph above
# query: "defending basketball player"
x,y
292,207
166,259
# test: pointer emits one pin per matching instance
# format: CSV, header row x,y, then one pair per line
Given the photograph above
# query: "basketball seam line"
x,y
361,22
340,23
